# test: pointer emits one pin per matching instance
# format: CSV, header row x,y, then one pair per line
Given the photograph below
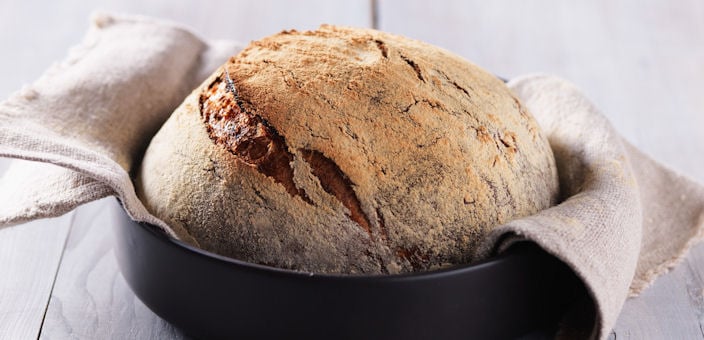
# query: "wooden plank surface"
x,y
673,308
91,300
641,62
4,164
29,258
36,33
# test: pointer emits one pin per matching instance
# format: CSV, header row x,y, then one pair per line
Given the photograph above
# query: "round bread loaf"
x,y
347,150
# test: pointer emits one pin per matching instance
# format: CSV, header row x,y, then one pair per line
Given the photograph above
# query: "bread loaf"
x,y
347,150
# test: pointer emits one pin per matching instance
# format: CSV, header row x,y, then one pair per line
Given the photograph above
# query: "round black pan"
x,y
522,293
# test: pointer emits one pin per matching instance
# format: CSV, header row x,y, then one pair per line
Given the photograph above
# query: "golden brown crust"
x,y
246,135
351,151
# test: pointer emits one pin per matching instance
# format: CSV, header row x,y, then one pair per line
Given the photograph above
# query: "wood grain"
x,y
91,300
673,308
35,33
29,258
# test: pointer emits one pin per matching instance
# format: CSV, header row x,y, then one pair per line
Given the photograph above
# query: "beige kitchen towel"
x,y
94,114
624,218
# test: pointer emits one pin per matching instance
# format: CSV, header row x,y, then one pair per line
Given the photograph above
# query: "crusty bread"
x,y
347,151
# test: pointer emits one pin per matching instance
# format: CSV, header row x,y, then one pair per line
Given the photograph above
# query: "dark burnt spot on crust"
x,y
247,135
336,183
382,48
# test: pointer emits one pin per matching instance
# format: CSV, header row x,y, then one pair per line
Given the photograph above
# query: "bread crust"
x,y
402,156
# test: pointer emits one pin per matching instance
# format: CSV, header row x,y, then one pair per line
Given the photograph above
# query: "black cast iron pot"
x,y
521,293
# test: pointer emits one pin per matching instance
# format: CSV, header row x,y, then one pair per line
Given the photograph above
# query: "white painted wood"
x,y
91,299
36,33
673,308
4,164
665,311
642,62
29,259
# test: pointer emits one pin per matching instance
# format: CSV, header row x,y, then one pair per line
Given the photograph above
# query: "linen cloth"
x,y
624,218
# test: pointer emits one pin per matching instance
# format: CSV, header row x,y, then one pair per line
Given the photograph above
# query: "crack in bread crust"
x,y
247,136
404,156
414,66
336,183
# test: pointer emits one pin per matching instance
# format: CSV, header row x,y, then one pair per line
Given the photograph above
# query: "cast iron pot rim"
x,y
264,269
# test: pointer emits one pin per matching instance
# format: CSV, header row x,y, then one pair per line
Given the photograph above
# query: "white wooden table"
x,y
642,62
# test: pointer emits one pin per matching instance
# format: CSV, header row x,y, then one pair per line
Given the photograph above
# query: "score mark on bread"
x,y
336,183
254,141
346,150
247,136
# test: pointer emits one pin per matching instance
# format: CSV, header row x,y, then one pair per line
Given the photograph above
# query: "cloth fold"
x,y
624,218
94,113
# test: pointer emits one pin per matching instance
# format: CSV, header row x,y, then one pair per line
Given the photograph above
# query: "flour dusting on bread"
x,y
350,151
